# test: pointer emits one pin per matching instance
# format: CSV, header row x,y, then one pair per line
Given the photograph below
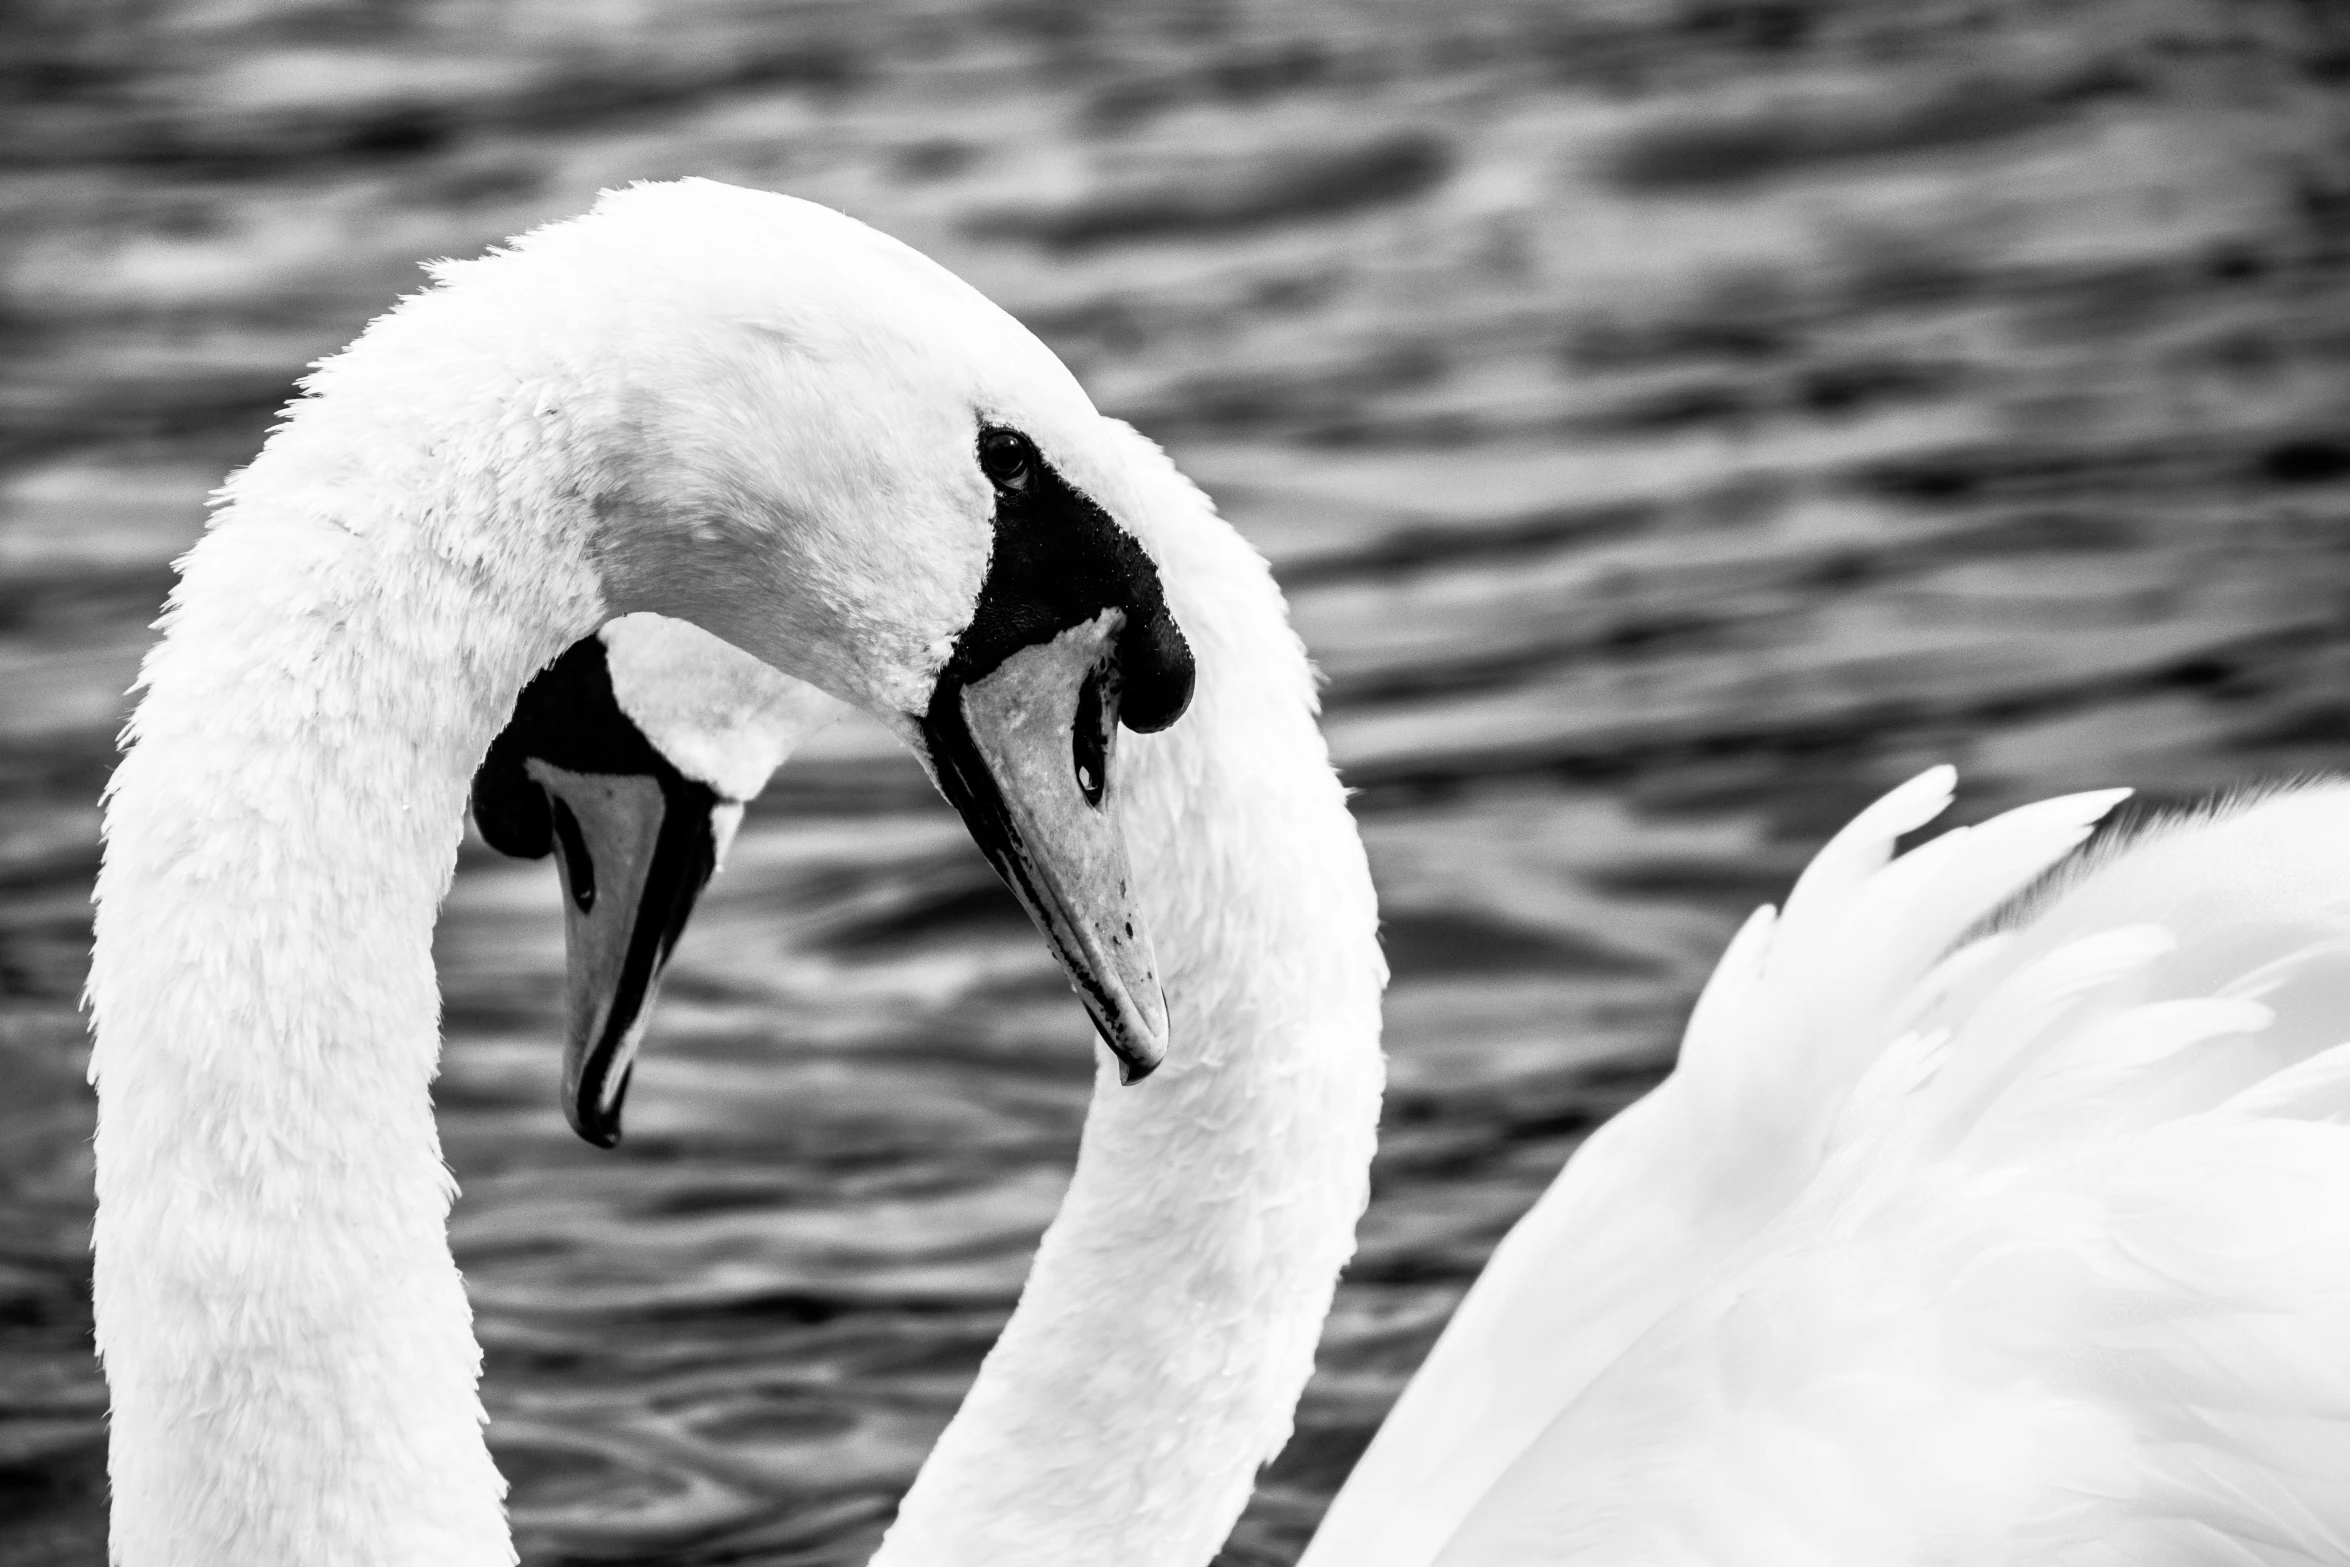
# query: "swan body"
x,y
760,417
1955,1236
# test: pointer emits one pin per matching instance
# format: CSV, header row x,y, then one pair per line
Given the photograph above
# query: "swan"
x,y
758,416
1991,1213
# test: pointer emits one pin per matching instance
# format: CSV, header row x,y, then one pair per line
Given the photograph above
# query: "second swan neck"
x,y
1169,1324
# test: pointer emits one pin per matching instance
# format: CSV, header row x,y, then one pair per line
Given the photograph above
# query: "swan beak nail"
x,y
636,852
1025,753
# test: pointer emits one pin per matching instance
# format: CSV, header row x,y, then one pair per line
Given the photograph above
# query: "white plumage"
x,y
719,715
761,416
1942,1244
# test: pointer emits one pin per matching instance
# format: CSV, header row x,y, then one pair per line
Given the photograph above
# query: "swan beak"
x,y
636,851
1025,753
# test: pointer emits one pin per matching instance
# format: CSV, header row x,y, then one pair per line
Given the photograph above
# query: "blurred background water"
x,y
1673,421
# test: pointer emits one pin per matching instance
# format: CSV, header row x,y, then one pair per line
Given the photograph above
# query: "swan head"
x,y
823,448
630,759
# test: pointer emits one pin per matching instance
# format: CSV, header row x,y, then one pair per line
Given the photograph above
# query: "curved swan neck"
x,y
1169,1324
285,1335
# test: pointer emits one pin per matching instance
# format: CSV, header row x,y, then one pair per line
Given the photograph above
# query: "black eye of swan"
x,y
1007,458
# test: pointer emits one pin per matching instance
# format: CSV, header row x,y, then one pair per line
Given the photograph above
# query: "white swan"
x,y
1944,1242
756,415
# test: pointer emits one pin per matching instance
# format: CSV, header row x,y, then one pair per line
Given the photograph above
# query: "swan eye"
x,y
1007,458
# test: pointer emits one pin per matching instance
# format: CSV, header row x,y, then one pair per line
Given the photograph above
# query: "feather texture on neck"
x,y
286,1337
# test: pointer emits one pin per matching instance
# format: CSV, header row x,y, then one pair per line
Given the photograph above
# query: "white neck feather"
x,y
1170,1321
286,1338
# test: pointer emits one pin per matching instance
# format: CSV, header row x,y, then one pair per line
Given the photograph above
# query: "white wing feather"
x,y
1662,1197
2064,1280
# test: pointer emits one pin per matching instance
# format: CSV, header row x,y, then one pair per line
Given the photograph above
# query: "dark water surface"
x,y
1674,420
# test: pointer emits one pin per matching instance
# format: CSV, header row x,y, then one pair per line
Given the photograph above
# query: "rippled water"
x,y
1673,422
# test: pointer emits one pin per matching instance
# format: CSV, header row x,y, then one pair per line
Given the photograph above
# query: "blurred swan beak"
x,y
1025,753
